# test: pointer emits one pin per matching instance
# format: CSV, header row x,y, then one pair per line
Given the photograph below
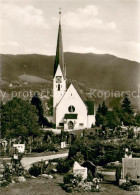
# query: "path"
x,y
28,161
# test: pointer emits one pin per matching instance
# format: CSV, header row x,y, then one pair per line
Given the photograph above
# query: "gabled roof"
x,y
82,96
89,104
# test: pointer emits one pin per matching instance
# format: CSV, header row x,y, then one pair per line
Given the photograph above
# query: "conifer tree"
x,y
126,105
137,118
42,121
99,109
104,109
101,113
37,102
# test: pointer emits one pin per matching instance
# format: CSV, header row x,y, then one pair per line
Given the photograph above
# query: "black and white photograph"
x,y
69,97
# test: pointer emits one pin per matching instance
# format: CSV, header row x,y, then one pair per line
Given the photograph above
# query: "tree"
x,y
130,133
137,118
118,111
112,119
100,119
128,119
126,105
19,118
38,104
50,105
99,109
101,114
104,109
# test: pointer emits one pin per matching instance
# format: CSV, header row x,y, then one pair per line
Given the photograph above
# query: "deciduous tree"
x,y
19,118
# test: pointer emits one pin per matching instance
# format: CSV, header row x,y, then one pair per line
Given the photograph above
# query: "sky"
x,y
88,26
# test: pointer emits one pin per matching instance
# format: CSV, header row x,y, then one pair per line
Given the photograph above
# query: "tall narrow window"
x,y
58,87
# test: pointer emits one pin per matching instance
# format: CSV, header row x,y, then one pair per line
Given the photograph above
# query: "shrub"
x,y
68,188
126,186
100,175
134,182
128,176
112,165
40,148
67,178
4,184
90,177
72,179
51,147
64,166
35,170
45,147
8,177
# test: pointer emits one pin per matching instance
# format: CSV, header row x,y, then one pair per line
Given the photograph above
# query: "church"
x,y
71,110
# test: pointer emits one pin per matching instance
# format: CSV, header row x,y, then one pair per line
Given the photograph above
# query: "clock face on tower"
x,y
58,79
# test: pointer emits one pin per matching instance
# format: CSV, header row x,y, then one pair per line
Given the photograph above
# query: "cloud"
x,y
88,10
87,18
82,49
11,44
46,49
132,45
126,49
132,49
26,15
112,25
8,46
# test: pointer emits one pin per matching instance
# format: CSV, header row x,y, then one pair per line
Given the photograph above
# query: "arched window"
x,y
58,87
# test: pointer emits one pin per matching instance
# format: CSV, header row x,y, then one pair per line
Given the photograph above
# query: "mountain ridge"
x,y
95,70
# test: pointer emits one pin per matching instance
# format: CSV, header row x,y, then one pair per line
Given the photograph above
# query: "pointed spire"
x,y
59,58
60,15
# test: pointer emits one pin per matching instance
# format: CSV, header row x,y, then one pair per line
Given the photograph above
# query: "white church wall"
x,y
75,121
91,120
72,98
58,94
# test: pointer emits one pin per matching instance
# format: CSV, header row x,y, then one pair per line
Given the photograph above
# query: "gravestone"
x,y
63,144
131,168
19,147
78,170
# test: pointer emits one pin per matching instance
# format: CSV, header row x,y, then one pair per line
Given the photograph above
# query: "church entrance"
x,y
70,125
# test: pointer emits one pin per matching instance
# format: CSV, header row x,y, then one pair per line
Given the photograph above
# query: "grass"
x,y
42,186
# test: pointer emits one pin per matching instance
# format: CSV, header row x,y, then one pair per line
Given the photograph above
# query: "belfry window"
x,y
58,87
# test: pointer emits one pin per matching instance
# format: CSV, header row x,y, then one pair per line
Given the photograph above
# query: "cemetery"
x,y
85,168
97,159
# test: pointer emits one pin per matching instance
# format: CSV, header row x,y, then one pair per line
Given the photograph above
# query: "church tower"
x,y
59,80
